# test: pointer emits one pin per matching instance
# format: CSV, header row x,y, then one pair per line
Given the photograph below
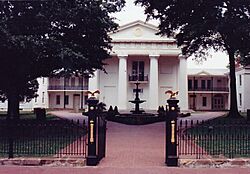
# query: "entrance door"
x,y
138,70
76,102
218,102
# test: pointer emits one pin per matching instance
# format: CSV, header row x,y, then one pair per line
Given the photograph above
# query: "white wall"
x,y
42,99
108,82
168,77
243,89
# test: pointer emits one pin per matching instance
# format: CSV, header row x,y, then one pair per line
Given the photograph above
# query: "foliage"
x,y
199,25
44,38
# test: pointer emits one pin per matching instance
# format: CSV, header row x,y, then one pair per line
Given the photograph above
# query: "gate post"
x,y
92,159
171,129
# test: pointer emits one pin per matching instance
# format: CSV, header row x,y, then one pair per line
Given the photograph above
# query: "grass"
x,y
27,115
33,138
223,136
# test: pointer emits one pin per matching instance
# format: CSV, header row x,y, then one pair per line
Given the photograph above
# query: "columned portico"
x,y
153,82
182,83
122,82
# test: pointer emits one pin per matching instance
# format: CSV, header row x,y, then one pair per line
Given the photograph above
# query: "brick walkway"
x,y
135,146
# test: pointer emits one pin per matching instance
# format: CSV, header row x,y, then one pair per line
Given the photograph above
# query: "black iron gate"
x,y
101,134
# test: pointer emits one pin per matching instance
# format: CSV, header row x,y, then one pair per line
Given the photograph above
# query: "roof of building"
x,y
207,72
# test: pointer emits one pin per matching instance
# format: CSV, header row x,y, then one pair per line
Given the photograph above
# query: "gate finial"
x,y
172,94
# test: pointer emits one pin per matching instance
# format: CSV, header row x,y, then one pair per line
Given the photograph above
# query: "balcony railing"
x,y
61,87
225,89
141,78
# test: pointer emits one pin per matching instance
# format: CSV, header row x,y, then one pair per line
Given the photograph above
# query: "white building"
x,y
243,84
138,55
208,89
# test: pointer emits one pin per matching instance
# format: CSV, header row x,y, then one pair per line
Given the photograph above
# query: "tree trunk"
x,y
13,105
233,113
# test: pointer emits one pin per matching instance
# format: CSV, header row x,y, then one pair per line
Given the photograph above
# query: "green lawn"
x,y
223,137
27,115
33,138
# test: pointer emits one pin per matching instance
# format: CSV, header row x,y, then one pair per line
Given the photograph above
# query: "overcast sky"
x,y
131,13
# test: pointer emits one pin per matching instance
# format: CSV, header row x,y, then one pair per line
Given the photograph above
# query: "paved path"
x,y
70,115
203,116
134,146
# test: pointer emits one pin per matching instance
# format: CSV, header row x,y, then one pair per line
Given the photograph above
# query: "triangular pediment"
x,y
137,31
203,73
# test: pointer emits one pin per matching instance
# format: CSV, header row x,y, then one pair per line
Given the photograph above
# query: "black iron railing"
x,y
213,139
226,89
138,78
53,138
61,87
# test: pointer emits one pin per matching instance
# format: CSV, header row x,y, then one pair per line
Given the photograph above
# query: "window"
x,y
43,80
209,85
139,90
66,99
66,81
73,81
35,99
240,98
190,85
58,99
43,97
203,84
80,81
204,101
86,81
240,80
138,70
195,84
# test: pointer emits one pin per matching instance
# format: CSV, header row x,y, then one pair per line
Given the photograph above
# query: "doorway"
x,y
76,102
218,102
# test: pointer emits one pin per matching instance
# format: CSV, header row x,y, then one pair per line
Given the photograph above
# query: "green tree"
x,y
199,25
45,38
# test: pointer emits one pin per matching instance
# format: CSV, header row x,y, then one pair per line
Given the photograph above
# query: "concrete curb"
x,y
67,162
215,163
81,162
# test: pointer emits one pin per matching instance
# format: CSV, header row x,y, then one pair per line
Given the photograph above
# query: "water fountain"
x,y
137,116
137,101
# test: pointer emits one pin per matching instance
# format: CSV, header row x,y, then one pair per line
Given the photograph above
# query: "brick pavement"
x,y
135,146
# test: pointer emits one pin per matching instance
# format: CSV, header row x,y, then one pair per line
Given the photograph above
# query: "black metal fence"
x,y
54,138
213,139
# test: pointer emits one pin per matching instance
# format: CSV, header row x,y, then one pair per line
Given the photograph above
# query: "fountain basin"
x,y
137,119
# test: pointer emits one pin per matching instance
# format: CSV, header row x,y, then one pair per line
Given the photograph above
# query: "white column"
x,y
122,82
94,81
183,83
153,82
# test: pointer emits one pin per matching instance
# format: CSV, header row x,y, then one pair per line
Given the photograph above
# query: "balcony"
x,y
140,78
221,89
63,88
